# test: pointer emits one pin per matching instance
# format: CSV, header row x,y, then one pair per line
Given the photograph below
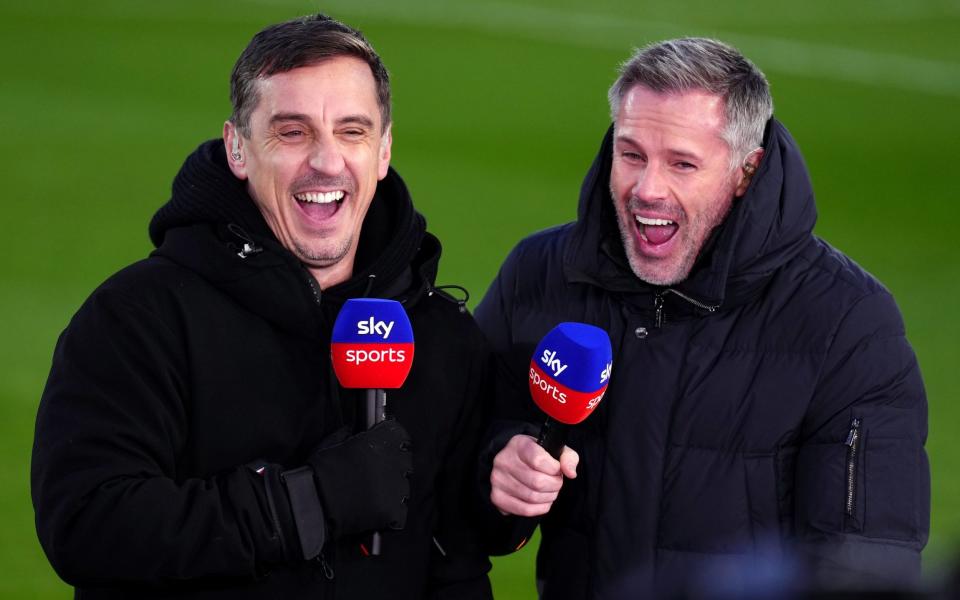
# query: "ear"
x,y
750,165
386,140
233,142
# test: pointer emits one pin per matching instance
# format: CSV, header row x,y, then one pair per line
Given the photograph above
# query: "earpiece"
x,y
235,151
748,167
749,170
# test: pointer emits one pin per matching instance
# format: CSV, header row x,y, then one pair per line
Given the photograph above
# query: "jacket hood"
x,y
212,226
766,227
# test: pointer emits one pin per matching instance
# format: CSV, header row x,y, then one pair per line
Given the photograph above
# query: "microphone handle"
x,y
376,407
376,413
553,437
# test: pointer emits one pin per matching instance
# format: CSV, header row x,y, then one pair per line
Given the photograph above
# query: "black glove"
x,y
363,481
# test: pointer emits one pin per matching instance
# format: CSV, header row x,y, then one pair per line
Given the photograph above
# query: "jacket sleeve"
x,y
111,423
513,412
511,403
862,498
460,565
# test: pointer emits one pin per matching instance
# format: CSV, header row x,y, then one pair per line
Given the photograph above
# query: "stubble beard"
x,y
326,257
694,234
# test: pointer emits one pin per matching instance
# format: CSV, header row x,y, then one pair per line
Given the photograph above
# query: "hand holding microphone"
x,y
568,376
526,480
363,480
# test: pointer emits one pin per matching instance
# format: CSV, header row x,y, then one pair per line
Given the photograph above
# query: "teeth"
x,y
646,221
320,197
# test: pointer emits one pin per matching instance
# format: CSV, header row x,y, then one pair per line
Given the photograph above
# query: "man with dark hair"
x,y
192,440
764,401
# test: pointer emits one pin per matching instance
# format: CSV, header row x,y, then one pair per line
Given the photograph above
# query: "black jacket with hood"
x,y
184,371
767,406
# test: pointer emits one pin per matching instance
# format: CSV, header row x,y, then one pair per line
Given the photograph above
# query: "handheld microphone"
x,y
372,348
372,344
569,373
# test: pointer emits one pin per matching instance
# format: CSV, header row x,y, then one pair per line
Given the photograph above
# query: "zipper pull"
x,y
854,432
658,305
327,569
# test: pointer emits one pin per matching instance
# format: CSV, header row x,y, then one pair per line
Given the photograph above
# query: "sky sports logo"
x,y
542,382
570,370
371,327
392,355
552,362
372,344
549,388
545,389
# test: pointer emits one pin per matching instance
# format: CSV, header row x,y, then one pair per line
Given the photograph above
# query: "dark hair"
x,y
298,43
700,63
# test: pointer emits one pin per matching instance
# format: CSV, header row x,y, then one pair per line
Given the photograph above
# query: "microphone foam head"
x,y
372,344
570,370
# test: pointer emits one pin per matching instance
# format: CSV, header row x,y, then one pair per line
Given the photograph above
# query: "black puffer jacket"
x,y
187,366
769,404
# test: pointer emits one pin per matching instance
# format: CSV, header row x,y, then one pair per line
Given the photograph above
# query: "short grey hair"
x,y
688,64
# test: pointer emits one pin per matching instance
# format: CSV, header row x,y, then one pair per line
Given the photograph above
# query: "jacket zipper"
x,y
314,289
658,304
317,298
853,446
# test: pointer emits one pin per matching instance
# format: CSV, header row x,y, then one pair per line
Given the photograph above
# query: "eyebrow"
x,y
672,151
684,154
289,116
358,119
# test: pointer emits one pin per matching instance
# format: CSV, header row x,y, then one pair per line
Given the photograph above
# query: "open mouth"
x,y
320,205
656,231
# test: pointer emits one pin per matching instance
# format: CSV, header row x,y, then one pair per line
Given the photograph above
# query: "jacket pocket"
x,y
821,485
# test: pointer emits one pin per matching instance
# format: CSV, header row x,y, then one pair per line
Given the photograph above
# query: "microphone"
x,y
372,344
569,373
372,348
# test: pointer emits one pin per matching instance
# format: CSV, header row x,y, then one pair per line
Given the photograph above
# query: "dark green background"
x,y
499,108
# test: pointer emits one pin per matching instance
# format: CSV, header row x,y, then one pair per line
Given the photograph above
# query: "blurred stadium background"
x,y
499,108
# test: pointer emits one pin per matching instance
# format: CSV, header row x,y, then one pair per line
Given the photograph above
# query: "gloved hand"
x,y
363,481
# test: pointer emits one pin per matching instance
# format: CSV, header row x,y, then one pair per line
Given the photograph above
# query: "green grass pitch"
x,y
499,108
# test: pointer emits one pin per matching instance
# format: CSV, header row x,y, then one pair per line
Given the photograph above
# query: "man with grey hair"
x,y
764,403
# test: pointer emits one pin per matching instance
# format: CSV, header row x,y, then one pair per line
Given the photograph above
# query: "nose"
x,y
651,183
326,157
